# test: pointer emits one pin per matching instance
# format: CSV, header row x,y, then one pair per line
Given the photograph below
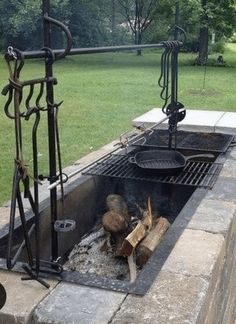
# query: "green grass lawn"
x,y
103,93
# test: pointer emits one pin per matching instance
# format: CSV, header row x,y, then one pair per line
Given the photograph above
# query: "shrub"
x,y
218,47
233,38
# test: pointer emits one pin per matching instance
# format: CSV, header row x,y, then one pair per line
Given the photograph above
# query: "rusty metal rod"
x,y
51,129
93,50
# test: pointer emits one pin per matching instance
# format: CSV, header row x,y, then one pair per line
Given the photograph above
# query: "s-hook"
x,y
67,33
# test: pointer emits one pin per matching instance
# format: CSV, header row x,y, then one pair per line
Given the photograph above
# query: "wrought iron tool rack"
x,y
43,89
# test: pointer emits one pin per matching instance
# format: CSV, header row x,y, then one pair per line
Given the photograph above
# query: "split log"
x,y
151,241
131,241
139,232
147,216
132,267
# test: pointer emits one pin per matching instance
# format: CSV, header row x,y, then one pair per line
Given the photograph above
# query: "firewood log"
x,y
118,226
150,242
119,239
117,203
131,241
139,232
132,267
147,216
114,222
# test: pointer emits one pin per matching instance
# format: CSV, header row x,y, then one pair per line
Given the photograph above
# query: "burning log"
x,y
151,241
139,232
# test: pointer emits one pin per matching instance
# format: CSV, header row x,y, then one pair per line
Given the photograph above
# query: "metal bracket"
x,y
41,177
66,225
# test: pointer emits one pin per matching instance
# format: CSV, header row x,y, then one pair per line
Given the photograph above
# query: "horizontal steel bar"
x,y
37,81
93,50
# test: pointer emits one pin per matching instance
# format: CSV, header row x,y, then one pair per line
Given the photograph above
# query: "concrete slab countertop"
x,y
195,120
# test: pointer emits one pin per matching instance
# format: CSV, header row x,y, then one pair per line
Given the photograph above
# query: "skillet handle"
x,y
132,160
206,155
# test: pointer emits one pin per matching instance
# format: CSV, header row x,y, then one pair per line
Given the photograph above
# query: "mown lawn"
x,y
103,93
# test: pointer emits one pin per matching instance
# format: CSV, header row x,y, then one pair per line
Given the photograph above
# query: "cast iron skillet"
x,y
163,162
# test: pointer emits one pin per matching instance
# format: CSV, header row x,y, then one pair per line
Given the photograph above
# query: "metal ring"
x,y
50,54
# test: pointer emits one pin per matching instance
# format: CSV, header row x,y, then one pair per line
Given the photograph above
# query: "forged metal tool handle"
x,y
67,33
199,155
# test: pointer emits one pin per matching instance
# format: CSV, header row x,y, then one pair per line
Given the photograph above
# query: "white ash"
x,y
95,255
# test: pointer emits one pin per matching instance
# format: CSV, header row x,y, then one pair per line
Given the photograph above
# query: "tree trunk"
x,y
203,46
138,32
113,23
139,41
203,36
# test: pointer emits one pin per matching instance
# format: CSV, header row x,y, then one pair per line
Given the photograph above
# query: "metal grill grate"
x,y
196,174
208,142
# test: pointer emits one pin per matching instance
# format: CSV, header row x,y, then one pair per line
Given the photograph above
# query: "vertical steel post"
x,y
174,62
174,82
176,34
51,131
176,31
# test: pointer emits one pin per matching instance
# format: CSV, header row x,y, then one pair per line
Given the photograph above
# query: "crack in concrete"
x,y
118,309
223,233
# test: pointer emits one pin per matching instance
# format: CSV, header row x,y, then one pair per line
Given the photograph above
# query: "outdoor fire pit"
x,y
86,251
193,261
77,238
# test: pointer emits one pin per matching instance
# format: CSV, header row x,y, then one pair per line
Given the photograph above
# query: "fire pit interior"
x,y
89,248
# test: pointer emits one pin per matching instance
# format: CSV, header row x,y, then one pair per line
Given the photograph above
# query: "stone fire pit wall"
x,y
196,282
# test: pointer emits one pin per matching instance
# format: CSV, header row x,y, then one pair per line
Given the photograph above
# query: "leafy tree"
x,y
218,16
98,22
21,21
189,20
139,14
119,34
